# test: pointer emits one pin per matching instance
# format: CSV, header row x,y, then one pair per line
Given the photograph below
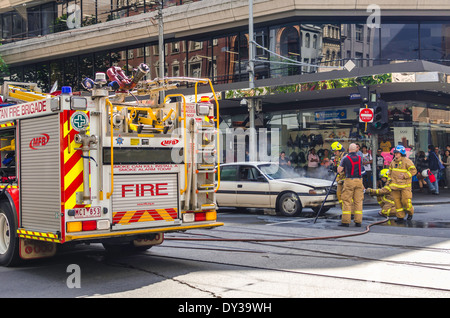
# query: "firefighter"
x,y
384,196
353,190
338,155
401,171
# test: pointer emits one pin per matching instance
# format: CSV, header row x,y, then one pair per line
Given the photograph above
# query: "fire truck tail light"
x,y
74,227
188,217
89,225
211,216
201,216
102,224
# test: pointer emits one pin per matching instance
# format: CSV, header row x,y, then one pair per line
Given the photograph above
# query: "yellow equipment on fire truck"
x,y
101,168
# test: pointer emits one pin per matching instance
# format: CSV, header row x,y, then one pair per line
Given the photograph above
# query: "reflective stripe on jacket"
x,y
401,167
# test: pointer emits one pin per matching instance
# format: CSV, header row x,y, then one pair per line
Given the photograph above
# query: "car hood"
x,y
310,182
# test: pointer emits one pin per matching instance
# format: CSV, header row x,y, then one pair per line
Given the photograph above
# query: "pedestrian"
x,y
353,190
313,162
401,171
433,164
447,165
283,161
421,165
367,163
339,154
384,195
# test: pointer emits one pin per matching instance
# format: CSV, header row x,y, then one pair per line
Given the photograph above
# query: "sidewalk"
x,y
419,198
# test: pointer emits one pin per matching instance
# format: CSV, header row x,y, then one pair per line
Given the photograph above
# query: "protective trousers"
x,y
387,206
340,187
402,199
352,197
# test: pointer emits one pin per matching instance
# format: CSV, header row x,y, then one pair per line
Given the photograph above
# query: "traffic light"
x,y
380,124
364,93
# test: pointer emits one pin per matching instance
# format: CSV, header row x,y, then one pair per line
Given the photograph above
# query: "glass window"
x,y
71,73
34,21
248,173
102,62
18,27
228,173
29,73
89,12
16,74
86,67
6,27
48,18
43,76
434,42
56,73
399,42
226,56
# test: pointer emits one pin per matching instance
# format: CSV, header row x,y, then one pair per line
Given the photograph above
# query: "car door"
x,y
252,188
226,195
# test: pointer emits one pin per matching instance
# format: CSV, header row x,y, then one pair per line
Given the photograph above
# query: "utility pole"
x,y
251,79
161,45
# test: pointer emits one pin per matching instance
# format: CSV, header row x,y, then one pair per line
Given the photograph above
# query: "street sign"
x,y
366,115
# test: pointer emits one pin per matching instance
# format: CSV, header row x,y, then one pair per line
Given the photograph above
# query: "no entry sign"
x,y
366,115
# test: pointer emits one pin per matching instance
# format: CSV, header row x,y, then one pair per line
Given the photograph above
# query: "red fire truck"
x,y
104,168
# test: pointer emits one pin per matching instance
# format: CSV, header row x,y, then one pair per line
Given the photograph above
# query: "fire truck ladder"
x,y
28,92
204,160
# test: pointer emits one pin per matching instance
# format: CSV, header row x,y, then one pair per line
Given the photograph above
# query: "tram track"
x,y
298,272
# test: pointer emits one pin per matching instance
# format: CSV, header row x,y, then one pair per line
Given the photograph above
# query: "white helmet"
x,y
425,173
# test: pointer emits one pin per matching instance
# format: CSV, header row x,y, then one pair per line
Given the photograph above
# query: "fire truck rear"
x,y
121,166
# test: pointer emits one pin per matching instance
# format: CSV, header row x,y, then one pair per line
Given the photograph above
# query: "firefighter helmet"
x,y
336,146
384,173
400,149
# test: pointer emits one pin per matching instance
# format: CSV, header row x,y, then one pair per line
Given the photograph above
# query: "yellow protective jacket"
x,y
401,167
384,196
337,162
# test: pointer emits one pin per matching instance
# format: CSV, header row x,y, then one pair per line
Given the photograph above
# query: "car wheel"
x,y
289,205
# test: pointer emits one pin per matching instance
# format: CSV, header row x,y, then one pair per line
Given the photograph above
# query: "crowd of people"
x,y
433,167
394,177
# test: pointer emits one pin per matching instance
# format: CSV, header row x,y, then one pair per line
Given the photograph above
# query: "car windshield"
x,y
274,171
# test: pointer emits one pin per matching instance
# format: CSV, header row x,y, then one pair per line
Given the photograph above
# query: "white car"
x,y
267,185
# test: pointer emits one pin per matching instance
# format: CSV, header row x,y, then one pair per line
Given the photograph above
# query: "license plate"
x,y
91,212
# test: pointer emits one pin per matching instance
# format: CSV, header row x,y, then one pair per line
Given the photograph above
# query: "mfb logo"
x,y
39,141
140,190
169,142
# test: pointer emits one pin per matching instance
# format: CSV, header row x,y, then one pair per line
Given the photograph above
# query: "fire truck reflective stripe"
x,y
40,236
127,217
10,124
73,164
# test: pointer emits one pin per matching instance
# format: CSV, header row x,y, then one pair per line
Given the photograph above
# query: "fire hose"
x,y
295,239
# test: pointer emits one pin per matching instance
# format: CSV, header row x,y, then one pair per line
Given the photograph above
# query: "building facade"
x,y
400,49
